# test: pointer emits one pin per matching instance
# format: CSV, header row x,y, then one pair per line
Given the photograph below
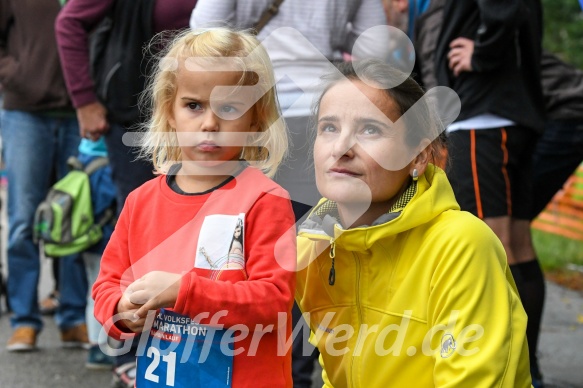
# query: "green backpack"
x,y
64,223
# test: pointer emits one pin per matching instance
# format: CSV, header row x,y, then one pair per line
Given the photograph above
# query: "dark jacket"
x,y
116,87
562,88
506,77
30,71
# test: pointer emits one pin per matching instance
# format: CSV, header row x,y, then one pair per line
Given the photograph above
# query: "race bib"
x,y
180,353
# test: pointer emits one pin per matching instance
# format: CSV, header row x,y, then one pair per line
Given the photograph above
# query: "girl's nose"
x,y
210,122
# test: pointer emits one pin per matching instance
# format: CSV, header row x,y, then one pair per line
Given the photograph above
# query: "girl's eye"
x,y
194,106
228,109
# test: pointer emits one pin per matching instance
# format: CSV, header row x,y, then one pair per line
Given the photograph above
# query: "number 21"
x,y
169,359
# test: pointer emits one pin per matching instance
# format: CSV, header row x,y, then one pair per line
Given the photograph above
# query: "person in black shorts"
x,y
496,159
490,54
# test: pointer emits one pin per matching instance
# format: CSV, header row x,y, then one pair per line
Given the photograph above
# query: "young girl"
x,y
403,289
215,130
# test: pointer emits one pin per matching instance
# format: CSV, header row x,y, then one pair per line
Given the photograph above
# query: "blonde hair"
x,y
160,143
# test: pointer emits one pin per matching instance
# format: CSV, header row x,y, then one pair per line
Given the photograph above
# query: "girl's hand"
x,y
126,310
155,290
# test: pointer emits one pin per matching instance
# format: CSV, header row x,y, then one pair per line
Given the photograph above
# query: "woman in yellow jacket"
x,y
400,287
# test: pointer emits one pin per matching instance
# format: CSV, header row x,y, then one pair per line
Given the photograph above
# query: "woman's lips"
x,y
342,172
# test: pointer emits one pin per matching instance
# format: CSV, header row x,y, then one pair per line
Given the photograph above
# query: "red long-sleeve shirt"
x,y
160,229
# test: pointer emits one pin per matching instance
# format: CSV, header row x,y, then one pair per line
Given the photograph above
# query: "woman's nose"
x,y
343,145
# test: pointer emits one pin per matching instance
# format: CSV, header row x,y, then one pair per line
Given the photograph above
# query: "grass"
x,y
556,252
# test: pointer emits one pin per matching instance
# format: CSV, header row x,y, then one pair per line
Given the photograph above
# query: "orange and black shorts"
x,y
490,171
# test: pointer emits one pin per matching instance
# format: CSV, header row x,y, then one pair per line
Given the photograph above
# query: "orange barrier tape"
x,y
563,209
554,229
562,221
572,202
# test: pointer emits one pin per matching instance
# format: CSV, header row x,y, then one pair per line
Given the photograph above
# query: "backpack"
x,y
64,223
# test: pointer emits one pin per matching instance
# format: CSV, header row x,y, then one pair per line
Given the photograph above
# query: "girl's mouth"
x,y
208,146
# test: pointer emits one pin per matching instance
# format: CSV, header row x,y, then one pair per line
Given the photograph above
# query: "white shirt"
x,y
330,26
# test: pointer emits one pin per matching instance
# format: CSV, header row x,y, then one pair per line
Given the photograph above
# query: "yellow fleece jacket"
x,y
423,300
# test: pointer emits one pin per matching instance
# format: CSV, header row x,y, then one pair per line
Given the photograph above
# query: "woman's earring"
x,y
415,175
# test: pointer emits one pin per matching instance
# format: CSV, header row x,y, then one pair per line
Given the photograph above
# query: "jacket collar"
x,y
419,204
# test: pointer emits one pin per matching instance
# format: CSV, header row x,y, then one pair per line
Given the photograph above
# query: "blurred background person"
x,y
489,53
39,133
560,149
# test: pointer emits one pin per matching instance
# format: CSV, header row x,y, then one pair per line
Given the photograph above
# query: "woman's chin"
x,y
345,199
351,194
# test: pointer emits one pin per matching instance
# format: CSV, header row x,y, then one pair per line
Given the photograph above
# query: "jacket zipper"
x,y
332,275
360,320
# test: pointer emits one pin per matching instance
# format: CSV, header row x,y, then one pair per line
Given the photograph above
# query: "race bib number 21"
x,y
180,353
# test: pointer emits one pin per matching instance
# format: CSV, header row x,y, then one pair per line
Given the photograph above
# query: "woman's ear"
x,y
423,156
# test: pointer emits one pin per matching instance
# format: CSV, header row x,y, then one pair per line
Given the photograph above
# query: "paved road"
x,y
51,366
561,342
561,348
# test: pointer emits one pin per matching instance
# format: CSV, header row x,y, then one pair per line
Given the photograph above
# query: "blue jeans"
x,y
34,147
92,262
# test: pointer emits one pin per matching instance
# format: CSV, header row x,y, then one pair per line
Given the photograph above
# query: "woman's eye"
x,y
327,128
371,130
194,106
